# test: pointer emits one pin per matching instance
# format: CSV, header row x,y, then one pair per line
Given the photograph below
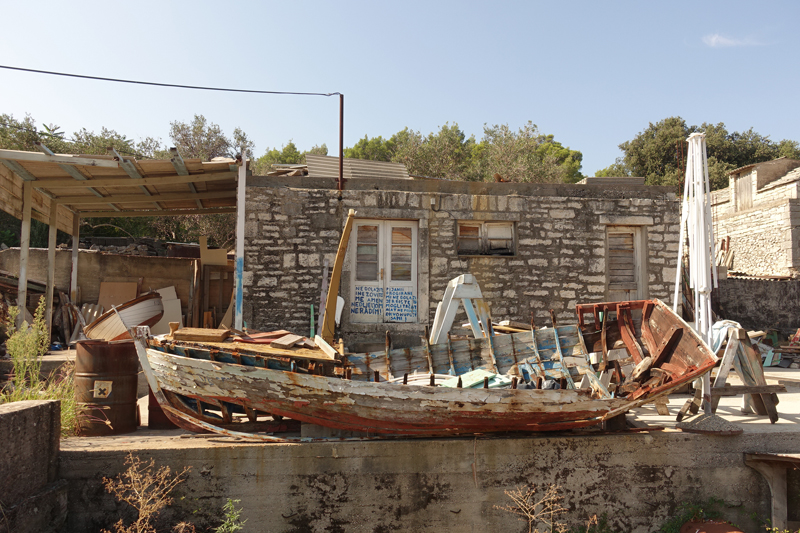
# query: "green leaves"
x,y
659,152
522,156
203,140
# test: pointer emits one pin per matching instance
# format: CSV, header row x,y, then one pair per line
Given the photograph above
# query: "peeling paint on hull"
x,y
384,408
381,408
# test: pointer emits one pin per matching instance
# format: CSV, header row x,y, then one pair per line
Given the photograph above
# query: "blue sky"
x,y
593,74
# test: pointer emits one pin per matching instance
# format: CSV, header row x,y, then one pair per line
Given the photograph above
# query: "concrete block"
x,y
32,498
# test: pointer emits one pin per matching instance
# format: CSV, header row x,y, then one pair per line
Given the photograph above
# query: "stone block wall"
x,y
761,304
763,239
292,226
32,498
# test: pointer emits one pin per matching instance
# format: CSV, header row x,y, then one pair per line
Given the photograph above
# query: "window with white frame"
x,y
485,238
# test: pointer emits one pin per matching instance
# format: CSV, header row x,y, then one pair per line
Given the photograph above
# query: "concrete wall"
x,y
95,267
440,485
294,224
32,497
761,304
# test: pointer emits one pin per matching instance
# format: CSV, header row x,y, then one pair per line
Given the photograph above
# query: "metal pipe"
x,y
340,184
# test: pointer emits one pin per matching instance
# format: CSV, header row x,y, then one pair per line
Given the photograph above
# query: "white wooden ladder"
x,y
464,288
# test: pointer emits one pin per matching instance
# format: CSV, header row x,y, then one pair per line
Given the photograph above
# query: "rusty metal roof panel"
x,y
323,166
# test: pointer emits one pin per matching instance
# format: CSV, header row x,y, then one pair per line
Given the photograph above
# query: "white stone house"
x,y
759,212
532,247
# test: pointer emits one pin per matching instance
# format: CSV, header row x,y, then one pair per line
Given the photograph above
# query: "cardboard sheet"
x,y
116,293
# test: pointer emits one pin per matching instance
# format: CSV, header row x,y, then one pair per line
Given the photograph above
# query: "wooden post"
x,y
329,319
73,281
241,187
323,294
24,248
51,266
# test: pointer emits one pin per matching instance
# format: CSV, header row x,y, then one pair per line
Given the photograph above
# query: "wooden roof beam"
x,y
152,213
19,155
194,191
69,169
150,181
143,199
177,162
18,169
129,168
126,165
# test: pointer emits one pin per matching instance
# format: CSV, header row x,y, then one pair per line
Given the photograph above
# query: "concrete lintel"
x,y
626,220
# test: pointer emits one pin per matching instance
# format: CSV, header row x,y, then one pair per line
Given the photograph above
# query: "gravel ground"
x,y
709,424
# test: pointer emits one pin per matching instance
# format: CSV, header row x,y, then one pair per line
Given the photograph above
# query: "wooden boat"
x,y
200,387
113,325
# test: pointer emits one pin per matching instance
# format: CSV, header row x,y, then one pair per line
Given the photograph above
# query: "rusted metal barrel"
x,y
156,419
105,387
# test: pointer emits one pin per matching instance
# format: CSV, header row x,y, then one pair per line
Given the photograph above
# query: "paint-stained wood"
x,y
287,341
382,394
328,320
201,334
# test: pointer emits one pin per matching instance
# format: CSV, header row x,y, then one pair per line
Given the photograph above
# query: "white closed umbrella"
x,y
697,223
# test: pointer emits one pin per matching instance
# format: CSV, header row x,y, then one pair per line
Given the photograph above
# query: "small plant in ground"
x,y
232,522
184,527
26,345
537,510
767,524
147,490
594,525
692,511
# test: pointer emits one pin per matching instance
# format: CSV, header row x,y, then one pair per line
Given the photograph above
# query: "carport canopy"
x,y
61,189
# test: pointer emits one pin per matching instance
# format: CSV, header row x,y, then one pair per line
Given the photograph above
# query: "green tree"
x,y
203,140
524,155
375,149
527,156
89,142
659,152
615,170
289,154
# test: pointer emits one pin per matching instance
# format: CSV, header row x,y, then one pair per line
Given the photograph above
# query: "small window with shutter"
x,y
485,238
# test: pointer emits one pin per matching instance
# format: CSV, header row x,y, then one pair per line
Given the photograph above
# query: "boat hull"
x,y
378,408
187,379
113,325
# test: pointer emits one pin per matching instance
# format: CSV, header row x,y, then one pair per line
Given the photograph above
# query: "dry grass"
x,y
147,490
538,510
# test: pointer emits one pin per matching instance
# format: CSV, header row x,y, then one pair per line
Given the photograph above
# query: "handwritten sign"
x,y
367,301
401,304
398,304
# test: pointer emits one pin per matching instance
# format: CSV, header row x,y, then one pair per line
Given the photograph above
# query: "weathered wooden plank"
x,y
285,342
735,390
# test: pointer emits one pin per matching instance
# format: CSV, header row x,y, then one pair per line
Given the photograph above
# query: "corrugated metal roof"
x,y
323,166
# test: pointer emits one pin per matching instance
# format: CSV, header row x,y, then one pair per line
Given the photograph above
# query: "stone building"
x,y
760,213
532,248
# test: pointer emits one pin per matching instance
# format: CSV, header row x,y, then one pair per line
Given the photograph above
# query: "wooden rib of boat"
x,y
113,325
199,387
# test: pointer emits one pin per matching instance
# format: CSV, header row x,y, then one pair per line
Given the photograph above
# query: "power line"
x,y
157,84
